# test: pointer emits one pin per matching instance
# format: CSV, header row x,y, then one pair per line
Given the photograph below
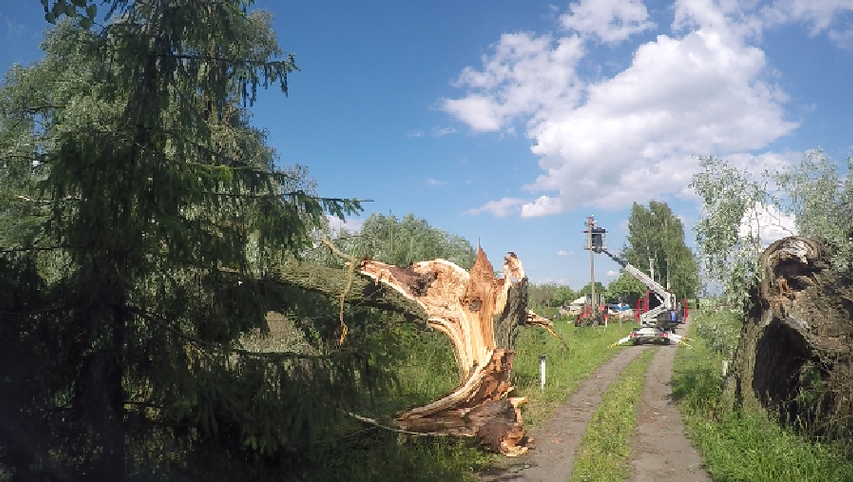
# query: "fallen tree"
x,y
479,313
795,354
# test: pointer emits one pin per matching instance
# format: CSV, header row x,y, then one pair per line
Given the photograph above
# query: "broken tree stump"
x,y
797,337
470,308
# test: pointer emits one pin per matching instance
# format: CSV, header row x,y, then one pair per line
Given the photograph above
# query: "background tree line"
x,y
655,240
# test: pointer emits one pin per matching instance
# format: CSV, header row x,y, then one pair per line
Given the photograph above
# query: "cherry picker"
x,y
658,314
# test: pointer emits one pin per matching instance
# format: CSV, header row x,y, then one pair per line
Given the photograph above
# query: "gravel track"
x,y
552,457
660,449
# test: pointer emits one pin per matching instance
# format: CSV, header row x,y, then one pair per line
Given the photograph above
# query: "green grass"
x,y
738,445
568,363
429,372
604,452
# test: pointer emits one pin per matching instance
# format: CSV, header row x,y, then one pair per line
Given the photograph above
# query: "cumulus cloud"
x,y
612,273
544,206
524,76
610,20
562,253
351,225
768,223
500,209
435,182
819,16
702,88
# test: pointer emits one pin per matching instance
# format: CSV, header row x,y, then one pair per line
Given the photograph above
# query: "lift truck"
x,y
657,313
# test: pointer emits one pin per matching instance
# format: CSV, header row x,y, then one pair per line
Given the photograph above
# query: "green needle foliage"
x,y
140,214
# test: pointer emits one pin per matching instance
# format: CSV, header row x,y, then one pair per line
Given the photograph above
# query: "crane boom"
x,y
652,328
667,299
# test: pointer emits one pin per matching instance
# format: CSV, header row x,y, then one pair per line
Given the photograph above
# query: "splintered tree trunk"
x,y
798,335
471,308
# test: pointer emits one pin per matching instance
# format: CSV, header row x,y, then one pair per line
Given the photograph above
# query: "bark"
x,y
797,336
471,308
480,314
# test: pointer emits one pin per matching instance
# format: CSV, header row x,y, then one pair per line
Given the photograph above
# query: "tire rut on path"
x,y
552,458
660,449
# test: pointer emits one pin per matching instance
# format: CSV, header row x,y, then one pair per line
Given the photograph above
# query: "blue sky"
x,y
510,122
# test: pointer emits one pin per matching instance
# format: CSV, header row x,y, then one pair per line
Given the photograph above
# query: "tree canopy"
x,y
625,288
543,295
600,290
141,219
656,234
734,215
403,241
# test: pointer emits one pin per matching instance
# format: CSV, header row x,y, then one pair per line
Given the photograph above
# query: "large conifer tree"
x,y
139,215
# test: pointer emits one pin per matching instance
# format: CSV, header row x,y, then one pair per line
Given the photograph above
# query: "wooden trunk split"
x,y
480,314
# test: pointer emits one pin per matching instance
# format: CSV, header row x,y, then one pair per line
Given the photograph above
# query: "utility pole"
x,y
590,223
595,244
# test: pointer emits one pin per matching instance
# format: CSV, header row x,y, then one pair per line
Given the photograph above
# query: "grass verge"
x,y
739,445
605,449
429,371
568,362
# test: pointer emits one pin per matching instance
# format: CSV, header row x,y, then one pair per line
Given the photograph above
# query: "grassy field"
x,y
739,445
373,454
568,362
604,452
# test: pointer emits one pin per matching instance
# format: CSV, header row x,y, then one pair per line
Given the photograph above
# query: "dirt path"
x,y
555,444
661,450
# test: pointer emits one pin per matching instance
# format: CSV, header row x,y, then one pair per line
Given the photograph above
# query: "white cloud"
x,y
351,225
830,16
634,136
562,253
552,281
500,209
768,223
524,76
544,206
611,20
843,38
435,182
477,111
819,16
443,131
612,273
435,132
